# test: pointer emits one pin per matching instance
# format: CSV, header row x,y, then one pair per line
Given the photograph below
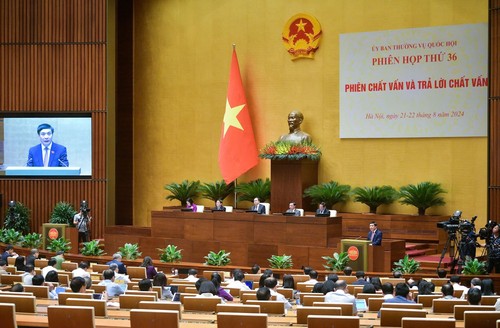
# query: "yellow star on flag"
x,y
230,117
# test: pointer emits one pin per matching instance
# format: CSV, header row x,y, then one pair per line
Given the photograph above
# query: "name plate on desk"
x,y
40,171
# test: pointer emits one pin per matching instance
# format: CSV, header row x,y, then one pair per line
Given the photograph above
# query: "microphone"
x,y
359,237
30,161
64,164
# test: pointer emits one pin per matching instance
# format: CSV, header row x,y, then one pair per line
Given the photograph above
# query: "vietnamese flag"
x,y
237,149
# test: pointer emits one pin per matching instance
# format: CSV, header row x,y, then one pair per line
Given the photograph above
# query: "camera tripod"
x,y
458,252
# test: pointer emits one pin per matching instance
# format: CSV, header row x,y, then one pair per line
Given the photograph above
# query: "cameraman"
x,y
81,220
494,249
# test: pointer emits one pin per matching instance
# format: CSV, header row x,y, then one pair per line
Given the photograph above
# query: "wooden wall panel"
x,y
52,77
40,196
494,111
53,60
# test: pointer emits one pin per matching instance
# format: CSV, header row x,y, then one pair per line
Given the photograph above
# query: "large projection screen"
x,y
414,83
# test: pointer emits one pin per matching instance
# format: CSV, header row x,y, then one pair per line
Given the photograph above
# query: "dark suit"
x,y
58,154
295,212
261,209
121,267
377,239
222,208
324,211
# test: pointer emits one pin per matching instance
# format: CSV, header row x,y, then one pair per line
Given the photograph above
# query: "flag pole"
x,y
235,193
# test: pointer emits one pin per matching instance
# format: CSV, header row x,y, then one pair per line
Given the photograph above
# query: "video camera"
x,y
455,224
486,231
84,207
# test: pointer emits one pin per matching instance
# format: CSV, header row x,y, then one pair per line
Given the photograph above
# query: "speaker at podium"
x,y
357,250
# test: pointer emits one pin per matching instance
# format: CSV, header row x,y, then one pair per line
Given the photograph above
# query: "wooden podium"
x,y
54,230
358,253
289,179
373,258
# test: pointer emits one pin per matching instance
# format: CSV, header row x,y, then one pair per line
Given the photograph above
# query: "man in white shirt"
x,y
49,267
313,274
112,288
81,271
192,275
341,295
272,284
238,276
29,272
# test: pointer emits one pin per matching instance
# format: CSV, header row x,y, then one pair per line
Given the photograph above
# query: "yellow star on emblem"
x,y
301,26
230,117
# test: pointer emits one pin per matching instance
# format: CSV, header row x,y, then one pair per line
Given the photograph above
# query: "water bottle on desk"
x,y
297,298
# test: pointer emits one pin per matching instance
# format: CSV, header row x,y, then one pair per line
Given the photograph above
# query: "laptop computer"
x,y
251,211
186,209
322,215
249,283
361,305
288,213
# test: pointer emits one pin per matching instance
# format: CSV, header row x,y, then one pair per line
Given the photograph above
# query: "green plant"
x,y
63,213
330,192
406,265
375,196
11,236
130,251
280,261
247,191
170,254
17,217
218,259
216,190
182,191
422,195
92,248
336,263
290,150
474,267
32,240
59,244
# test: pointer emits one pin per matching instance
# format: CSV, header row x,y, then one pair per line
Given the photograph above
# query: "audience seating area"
x,y
135,308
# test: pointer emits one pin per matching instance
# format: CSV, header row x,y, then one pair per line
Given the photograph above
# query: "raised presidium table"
x,y
39,171
251,238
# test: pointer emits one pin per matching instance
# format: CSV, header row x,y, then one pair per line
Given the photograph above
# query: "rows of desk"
x,y
120,318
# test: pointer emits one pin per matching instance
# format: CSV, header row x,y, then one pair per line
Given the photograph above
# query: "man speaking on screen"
x,y
47,153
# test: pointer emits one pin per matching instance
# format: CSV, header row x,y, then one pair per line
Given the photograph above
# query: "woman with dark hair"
x,y
376,282
207,289
219,206
160,279
190,204
217,280
288,281
19,264
487,287
52,276
150,268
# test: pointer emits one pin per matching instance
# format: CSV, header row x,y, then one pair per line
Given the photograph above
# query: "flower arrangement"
x,y
290,150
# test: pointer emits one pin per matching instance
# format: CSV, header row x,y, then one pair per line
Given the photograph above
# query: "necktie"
x,y
46,157
373,234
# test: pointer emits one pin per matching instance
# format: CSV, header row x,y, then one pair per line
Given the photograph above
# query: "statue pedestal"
x,y
289,179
